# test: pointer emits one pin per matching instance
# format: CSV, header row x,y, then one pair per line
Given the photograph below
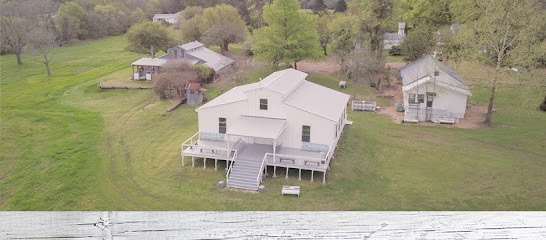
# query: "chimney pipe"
x,y
152,50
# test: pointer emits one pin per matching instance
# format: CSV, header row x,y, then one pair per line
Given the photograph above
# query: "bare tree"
x,y
362,65
43,44
15,25
174,76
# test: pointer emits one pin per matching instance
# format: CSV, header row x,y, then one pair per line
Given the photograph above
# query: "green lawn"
x,y
66,145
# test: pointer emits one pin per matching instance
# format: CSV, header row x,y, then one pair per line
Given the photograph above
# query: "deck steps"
x,y
244,174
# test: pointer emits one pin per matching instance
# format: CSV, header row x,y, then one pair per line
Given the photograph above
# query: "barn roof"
x,y
167,15
297,92
193,86
191,45
210,58
425,67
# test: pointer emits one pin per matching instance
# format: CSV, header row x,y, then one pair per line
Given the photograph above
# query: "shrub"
x,y
204,72
395,51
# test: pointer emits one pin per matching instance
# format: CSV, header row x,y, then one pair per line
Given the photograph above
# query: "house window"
x,y
222,125
306,133
411,98
420,98
263,104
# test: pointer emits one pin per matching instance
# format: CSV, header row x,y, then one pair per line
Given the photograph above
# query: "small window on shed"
x,y
263,104
222,125
306,133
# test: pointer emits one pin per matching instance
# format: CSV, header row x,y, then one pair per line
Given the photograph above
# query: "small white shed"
x,y
432,91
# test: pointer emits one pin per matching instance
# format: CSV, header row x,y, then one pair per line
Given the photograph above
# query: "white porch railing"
x,y
192,144
231,166
258,179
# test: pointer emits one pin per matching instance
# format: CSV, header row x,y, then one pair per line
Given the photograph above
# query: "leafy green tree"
x,y
430,12
152,7
319,7
137,16
341,6
344,31
222,25
290,37
419,41
146,34
190,30
507,33
324,33
462,11
374,18
68,21
190,12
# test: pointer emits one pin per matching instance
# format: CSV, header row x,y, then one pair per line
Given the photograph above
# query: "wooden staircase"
x,y
244,174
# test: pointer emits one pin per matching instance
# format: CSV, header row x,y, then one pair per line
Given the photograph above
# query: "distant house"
x,y
395,39
169,18
194,52
433,92
194,93
281,121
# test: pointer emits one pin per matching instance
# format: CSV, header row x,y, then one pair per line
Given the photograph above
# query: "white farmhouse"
x,y
433,92
280,121
173,18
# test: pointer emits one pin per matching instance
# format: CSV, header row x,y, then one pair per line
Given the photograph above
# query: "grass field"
x,y
67,145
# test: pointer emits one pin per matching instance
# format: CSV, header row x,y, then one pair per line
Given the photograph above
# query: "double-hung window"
x,y
420,98
306,133
411,98
263,104
222,126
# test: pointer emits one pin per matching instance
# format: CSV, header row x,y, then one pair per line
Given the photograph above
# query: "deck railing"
x,y
231,166
192,143
258,179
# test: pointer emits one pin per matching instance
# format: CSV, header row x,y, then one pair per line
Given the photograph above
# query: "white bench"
x,y
294,190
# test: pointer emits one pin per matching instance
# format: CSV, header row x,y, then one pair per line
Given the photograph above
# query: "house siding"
x,y
445,98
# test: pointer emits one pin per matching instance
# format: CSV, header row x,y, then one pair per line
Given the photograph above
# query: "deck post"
x,y
204,163
227,165
182,160
215,164
299,178
192,162
287,168
274,148
274,172
228,150
312,173
324,178
265,170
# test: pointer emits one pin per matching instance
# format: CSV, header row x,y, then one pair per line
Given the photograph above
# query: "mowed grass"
x,y
67,145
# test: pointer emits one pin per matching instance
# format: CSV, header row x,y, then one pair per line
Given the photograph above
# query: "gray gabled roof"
x,y
156,62
191,45
210,58
167,15
426,66
305,95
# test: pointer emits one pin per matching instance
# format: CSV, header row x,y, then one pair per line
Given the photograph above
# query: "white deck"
x,y
256,152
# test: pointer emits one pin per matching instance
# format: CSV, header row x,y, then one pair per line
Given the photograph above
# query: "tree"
x,y
146,34
290,37
222,25
430,12
324,33
507,32
189,29
374,18
137,16
152,7
419,41
44,44
174,76
190,12
341,6
343,32
319,7
363,65
15,26
68,21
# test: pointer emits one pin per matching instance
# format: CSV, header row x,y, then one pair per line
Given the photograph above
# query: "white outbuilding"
x,y
280,121
433,92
